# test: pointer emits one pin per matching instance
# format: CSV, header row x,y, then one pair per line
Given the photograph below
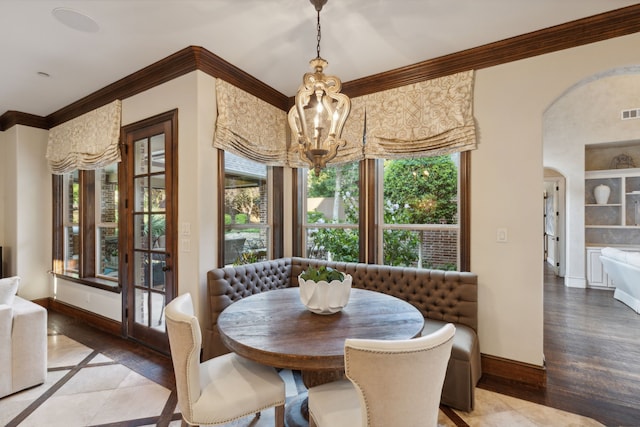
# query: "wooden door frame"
x,y
169,120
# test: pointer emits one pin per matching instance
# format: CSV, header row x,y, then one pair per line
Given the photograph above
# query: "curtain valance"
x,y
89,141
429,118
250,127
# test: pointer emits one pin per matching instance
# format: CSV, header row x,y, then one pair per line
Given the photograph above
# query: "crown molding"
x,y
616,23
604,26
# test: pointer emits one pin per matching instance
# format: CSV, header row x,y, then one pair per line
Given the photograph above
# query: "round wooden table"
x,y
274,328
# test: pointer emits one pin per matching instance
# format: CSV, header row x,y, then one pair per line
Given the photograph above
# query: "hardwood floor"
x,y
591,345
592,352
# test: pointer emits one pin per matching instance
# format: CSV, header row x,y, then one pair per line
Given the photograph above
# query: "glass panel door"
x,y
150,202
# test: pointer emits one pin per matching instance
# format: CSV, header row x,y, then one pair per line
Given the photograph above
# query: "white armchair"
x,y
23,345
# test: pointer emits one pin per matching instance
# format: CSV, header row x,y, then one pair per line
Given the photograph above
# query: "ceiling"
x,y
272,40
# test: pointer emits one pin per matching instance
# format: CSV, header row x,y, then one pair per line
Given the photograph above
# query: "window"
x,y
86,237
420,212
247,222
332,213
413,215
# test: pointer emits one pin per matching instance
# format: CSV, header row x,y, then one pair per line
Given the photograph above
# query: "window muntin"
x,y
332,206
247,220
107,221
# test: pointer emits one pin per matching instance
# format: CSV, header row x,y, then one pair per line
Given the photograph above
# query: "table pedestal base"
x,y
296,413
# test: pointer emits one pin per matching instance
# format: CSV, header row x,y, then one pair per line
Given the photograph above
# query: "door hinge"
x,y
126,258
126,313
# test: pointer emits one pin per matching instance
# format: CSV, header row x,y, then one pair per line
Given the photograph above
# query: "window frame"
x,y
275,210
370,221
87,267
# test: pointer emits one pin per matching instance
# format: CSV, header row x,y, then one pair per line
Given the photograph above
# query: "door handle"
x,y
166,268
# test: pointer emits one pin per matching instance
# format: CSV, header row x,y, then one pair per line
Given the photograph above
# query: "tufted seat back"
x,y
450,296
447,296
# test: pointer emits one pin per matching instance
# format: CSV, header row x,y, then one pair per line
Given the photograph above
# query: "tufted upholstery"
x,y
441,296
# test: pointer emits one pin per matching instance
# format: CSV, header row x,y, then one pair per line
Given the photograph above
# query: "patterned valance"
x,y
89,141
250,127
433,117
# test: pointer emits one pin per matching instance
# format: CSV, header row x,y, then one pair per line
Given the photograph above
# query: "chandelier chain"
x,y
319,36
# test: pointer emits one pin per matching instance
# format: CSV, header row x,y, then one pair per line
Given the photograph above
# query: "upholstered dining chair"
x,y
389,383
221,389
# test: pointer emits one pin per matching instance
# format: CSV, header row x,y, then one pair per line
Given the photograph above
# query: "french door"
x,y
150,208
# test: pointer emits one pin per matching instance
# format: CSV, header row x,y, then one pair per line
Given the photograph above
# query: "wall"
x,y
194,96
3,171
506,187
26,220
588,113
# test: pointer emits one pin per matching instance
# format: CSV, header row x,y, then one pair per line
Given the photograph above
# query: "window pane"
x,y
332,197
142,157
246,215
157,153
71,221
421,191
72,249
108,251
333,244
107,221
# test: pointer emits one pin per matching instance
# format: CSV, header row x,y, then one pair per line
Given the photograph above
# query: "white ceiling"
x,y
272,40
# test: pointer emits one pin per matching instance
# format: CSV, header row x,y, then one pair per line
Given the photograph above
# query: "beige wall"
x,y
26,209
506,187
194,96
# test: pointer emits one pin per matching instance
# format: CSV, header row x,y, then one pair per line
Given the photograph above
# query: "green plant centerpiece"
x,y
324,290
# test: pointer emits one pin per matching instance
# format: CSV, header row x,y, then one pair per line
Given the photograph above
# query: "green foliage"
x,y
241,218
325,273
423,191
401,248
227,219
251,257
315,216
411,197
344,244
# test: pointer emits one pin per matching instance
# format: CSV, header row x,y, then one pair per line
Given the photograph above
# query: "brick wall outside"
x,y
440,249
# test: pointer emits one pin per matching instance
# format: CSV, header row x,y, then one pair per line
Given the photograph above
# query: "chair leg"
x,y
280,416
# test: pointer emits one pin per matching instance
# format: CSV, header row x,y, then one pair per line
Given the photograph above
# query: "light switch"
x,y
502,235
186,245
186,228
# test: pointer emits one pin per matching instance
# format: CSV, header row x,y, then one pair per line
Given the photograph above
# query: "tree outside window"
x,y
419,209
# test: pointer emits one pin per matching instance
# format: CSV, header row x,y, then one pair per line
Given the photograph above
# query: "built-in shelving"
x,y
616,222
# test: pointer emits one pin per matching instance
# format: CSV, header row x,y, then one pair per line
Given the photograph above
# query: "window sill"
x,y
94,282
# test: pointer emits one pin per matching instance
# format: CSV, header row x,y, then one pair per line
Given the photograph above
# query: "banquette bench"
x,y
441,296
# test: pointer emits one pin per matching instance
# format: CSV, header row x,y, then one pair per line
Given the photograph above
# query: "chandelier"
x,y
320,110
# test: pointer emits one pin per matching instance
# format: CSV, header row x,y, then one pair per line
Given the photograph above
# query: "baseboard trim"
x,y
100,322
512,370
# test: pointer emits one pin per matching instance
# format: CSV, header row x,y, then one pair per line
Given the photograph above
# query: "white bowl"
x,y
323,297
